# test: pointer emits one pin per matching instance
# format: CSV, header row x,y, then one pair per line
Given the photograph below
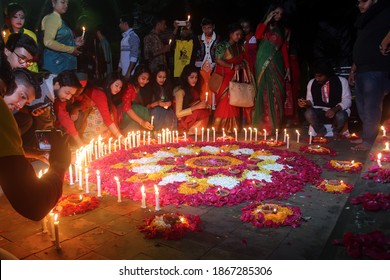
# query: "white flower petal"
x,y
163,154
243,151
273,167
256,175
177,177
147,169
223,181
210,149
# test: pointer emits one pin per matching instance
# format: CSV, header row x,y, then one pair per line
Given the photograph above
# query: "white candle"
x,y
115,145
44,224
208,135
188,18
245,134
298,134
109,145
213,129
86,181
255,131
285,135
384,130
310,137
276,135
76,171
80,178
133,138
159,138
170,41
152,120
185,137
118,189
143,197
387,146
196,134
70,175
379,159
235,134
82,35
177,136
51,225
250,133
98,182
288,141
157,198
163,136
265,134
207,96
119,142
202,134
223,134
144,138
148,137
56,223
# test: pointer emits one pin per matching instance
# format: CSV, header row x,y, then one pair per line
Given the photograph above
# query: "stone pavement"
x,y
110,231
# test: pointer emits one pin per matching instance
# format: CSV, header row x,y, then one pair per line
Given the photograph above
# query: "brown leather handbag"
x,y
241,94
215,82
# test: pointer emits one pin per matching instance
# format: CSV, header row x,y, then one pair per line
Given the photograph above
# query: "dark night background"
x,y
321,28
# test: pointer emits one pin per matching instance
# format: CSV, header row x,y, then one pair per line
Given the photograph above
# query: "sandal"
x,y
361,147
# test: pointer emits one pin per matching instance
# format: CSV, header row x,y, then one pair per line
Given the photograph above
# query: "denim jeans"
x,y
316,118
370,90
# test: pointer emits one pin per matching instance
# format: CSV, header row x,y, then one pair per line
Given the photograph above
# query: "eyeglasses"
x,y
23,60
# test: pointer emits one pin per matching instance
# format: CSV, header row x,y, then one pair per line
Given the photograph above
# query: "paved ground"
x,y
110,231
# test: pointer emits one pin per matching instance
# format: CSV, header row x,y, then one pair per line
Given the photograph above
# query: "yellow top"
x,y
180,112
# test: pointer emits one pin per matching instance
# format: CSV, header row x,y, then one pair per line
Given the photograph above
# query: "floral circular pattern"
x,y
220,173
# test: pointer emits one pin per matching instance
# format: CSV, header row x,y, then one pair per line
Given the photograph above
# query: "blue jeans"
x,y
370,90
316,118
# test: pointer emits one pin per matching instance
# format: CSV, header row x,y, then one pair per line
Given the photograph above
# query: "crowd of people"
x,y
166,83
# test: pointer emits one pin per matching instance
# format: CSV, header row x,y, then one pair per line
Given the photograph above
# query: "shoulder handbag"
x,y
241,94
215,81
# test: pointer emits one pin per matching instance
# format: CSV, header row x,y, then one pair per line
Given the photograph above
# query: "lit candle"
x,y
82,35
170,41
285,135
144,138
133,138
387,146
196,134
177,136
115,145
379,159
70,175
158,138
151,120
245,134
98,182
250,133
86,181
4,34
213,133
208,135
202,134
223,134
118,189
265,134
384,130
56,232
297,135
188,18
288,141
76,171
235,134
276,135
51,225
185,137
119,142
207,96
157,198
80,178
255,131
310,137
148,137
143,197
109,145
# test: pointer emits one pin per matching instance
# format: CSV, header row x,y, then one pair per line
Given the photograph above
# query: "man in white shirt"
x,y
328,100
130,47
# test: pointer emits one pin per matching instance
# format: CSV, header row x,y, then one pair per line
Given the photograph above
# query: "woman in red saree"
x,y
191,111
272,68
229,58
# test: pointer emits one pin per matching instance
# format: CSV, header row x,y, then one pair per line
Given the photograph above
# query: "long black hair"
x,y
188,97
152,91
112,78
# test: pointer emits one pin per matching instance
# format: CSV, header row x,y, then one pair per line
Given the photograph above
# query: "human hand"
x,y
351,79
201,105
76,51
269,17
60,155
330,114
147,125
80,41
384,48
38,112
74,115
303,103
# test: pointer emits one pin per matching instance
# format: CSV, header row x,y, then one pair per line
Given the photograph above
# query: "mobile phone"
x,y
42,106
181,22
43,139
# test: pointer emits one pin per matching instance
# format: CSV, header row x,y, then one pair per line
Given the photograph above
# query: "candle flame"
x,y
40,174
55,217
156,189
382,127
81,197
116,178
143,189
83,28
86,170
353,162
170,41
47,169
297,131
97,172
379,156
182,219
188,18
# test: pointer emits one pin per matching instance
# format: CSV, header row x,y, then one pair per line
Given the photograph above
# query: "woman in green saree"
x,y
272,68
